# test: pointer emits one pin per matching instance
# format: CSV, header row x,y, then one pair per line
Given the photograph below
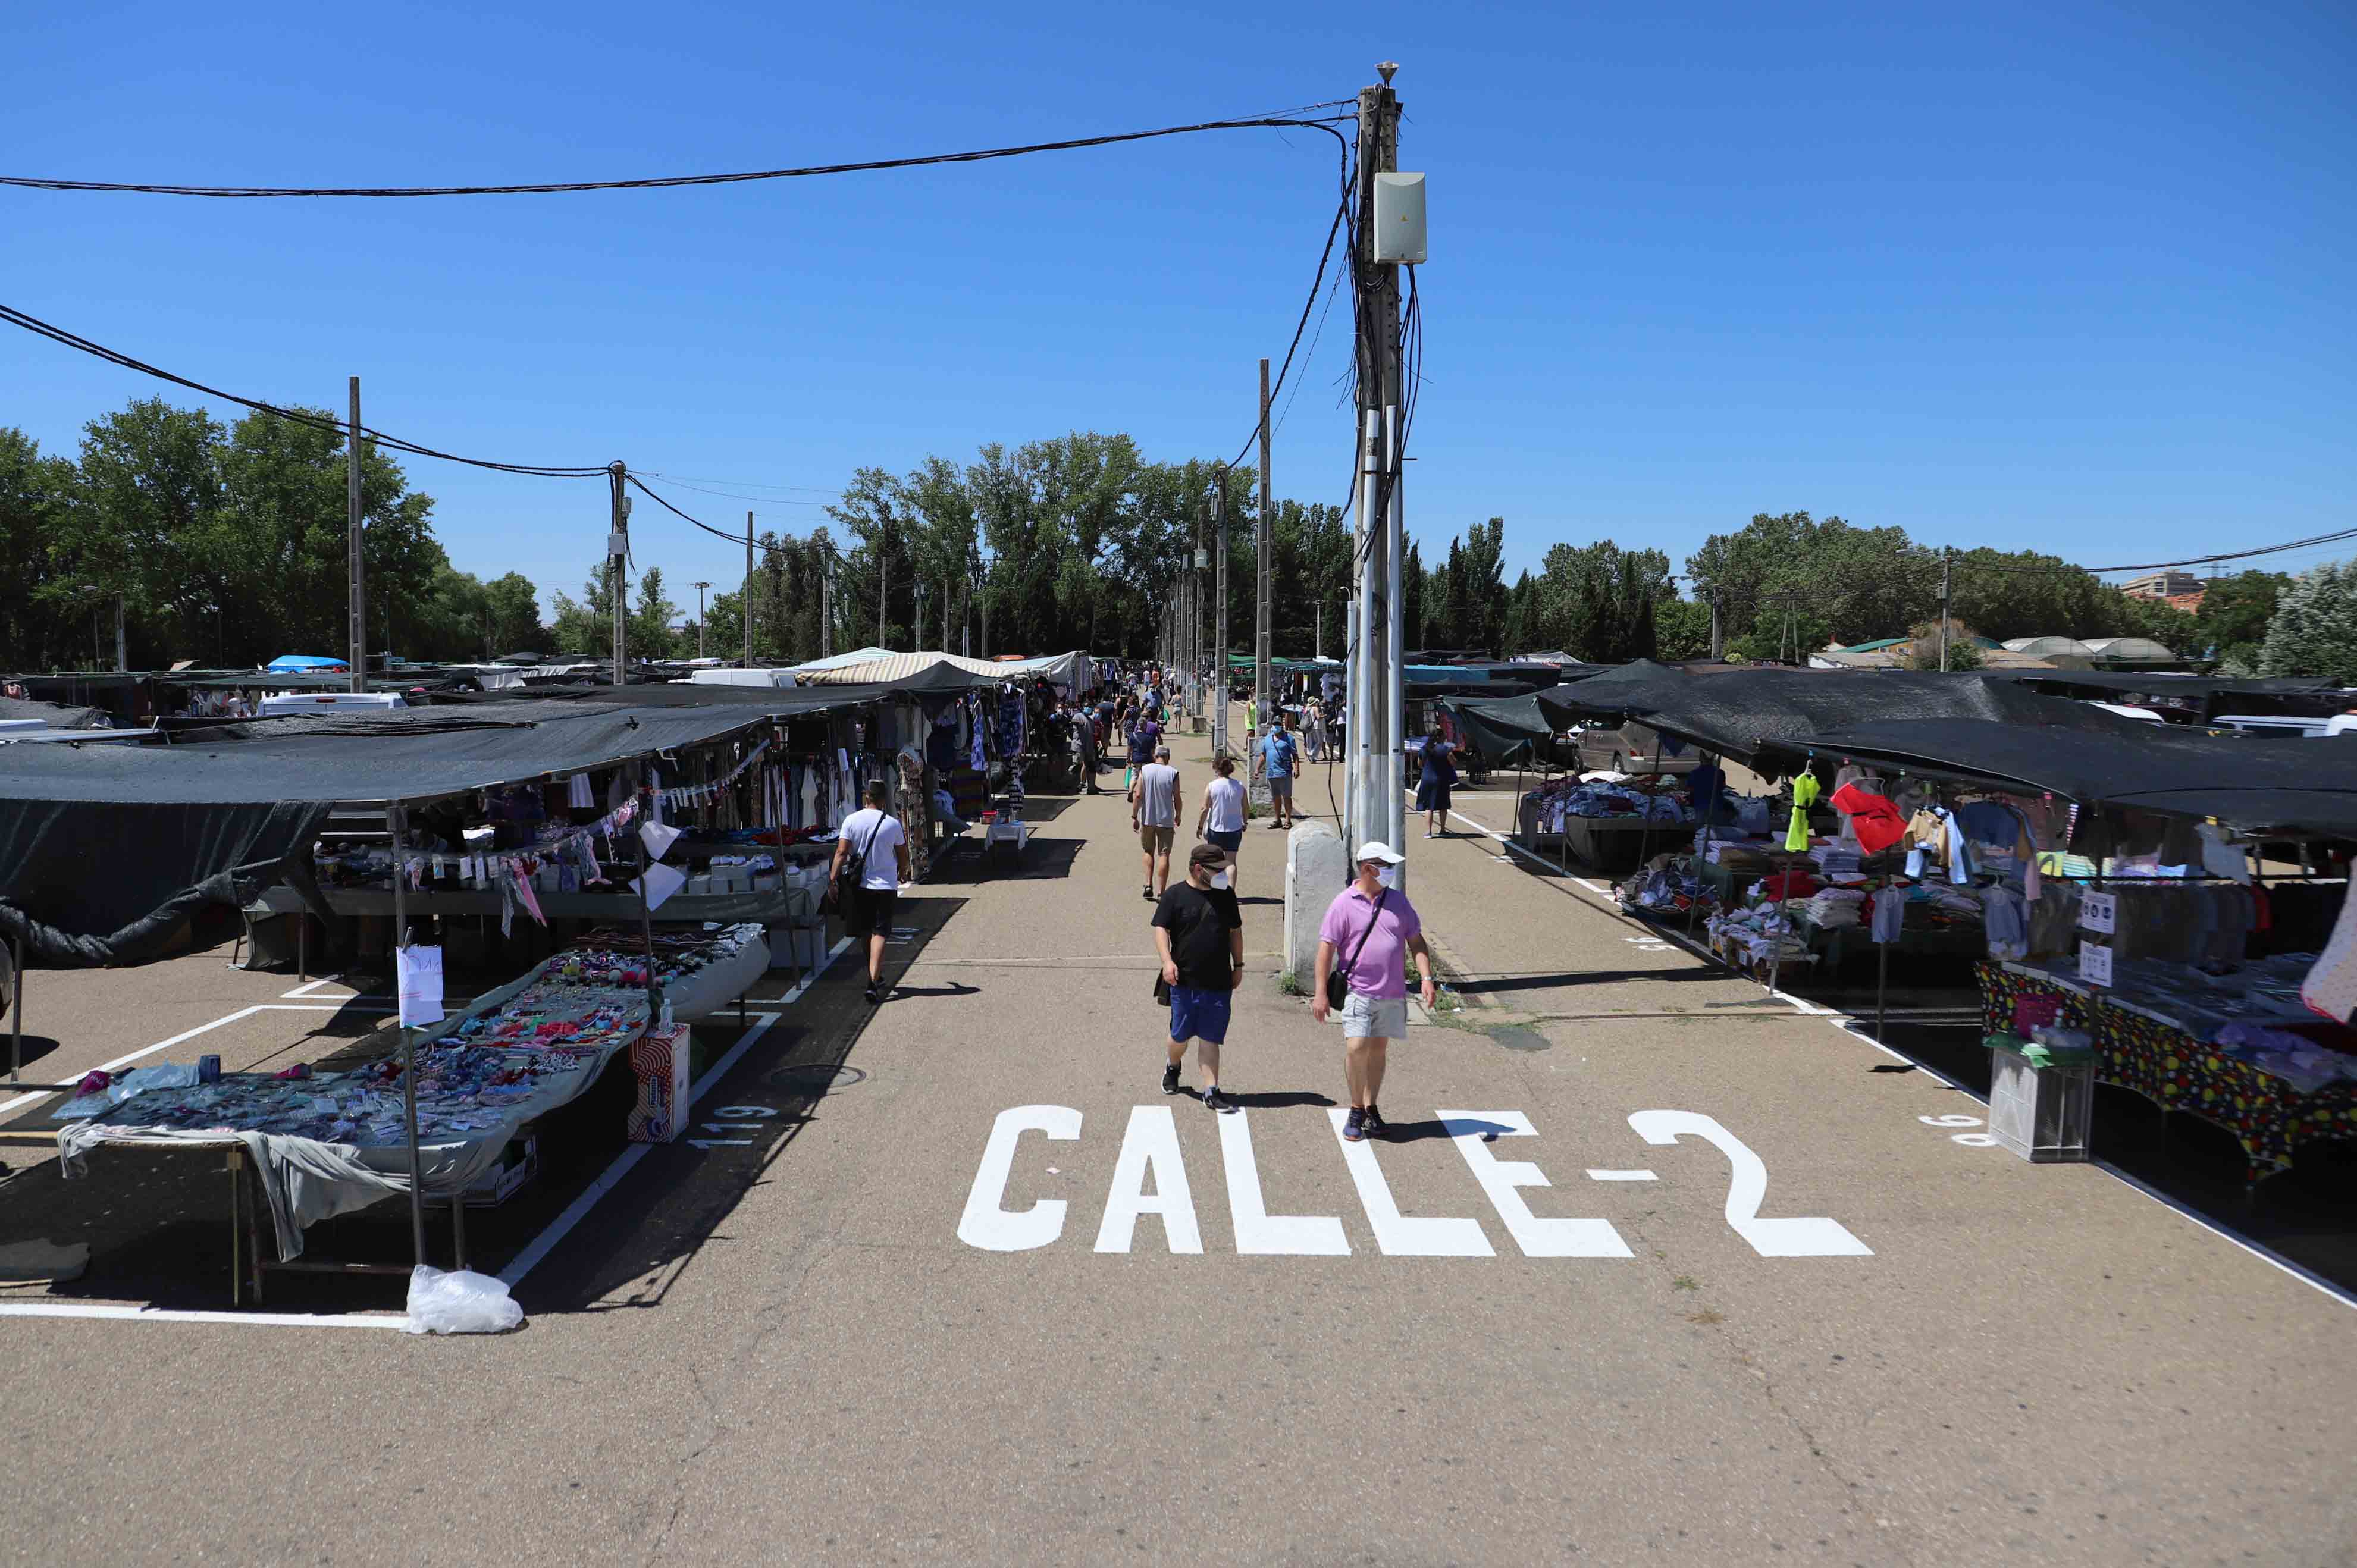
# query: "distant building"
x,y
2162,586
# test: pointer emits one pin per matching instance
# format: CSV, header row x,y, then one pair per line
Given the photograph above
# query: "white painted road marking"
x,y
1150,1144
987,1222
1397,1235
1468,1129
1811,1237
1259,1232
1622,1175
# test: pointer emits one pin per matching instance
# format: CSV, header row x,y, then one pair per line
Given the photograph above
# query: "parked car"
x,y
1633,748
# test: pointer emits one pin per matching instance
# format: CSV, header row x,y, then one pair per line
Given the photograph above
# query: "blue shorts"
x,y
1231,842
1200,1014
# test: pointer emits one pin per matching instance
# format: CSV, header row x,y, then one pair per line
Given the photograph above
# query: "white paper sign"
x,y
657,838
2099,912
2094,963
660,883
419,971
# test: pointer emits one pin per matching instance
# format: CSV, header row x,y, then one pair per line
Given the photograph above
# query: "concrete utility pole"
x,y
1262,577
1947,567
883,569
745,603
122,645
1377,809
357,610
699,588
618,555
1219,638
1717,630
1196,604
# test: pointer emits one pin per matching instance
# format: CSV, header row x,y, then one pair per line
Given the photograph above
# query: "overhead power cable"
x,y
666,181
34,324
716,532
737,495
2159,565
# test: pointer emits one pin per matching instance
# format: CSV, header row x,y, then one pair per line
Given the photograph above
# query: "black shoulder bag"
x,y
1338,980
855,868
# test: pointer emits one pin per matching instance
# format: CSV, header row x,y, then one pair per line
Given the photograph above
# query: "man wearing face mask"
x,y
1371,929
1200,932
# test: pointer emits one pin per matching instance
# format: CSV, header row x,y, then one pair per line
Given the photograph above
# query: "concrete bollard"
x,y
1316,867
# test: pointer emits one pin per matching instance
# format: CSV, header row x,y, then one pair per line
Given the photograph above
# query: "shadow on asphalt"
x,y
36,1047
1279,1099
1507,982
158,1222
2304,1213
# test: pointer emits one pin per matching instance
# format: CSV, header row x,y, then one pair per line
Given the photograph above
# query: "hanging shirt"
x,y
1804,795
1875,821
1889,914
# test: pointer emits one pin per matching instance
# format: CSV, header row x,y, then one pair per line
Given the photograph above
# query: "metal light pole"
x,y
699,617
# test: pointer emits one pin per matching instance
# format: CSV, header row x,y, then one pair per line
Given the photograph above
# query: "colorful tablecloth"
x,y
2180,1072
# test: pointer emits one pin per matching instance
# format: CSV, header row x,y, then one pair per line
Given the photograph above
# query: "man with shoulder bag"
x,y
1372,928
871,855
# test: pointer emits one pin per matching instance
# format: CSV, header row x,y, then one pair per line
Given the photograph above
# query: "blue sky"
x,y
2072,277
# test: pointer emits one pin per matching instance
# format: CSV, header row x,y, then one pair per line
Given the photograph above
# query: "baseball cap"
x,y
1375,849
1207,855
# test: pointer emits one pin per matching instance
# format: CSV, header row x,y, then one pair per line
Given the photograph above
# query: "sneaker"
x,y
1148,891
1214,1100
1170,1080
1354,1125
1372,1123
874,994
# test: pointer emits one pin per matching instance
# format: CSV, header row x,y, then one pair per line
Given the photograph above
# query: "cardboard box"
x,y
662,1061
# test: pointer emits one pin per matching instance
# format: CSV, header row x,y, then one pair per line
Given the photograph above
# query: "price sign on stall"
x,y
2099,912
2094,963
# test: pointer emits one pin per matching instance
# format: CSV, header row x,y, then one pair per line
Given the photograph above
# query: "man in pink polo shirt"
x,y
1369,928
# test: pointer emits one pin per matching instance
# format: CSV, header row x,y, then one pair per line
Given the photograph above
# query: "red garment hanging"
x,y
1876,821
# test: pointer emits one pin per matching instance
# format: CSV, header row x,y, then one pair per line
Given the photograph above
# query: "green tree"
x,y
650,630
513,606
2232,620
1682,629
2314,630
35,626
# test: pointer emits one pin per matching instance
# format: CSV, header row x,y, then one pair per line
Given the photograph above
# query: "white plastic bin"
x,y
2040,1113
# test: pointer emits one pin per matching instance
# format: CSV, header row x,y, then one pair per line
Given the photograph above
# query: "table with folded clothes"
x,y
1605,818
328,1143
2237,1049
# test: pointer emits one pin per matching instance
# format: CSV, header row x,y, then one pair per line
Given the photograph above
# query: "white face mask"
x,y
1388,876
1219,879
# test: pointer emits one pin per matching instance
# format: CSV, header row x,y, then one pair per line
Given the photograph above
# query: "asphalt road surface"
x,y
1655,1266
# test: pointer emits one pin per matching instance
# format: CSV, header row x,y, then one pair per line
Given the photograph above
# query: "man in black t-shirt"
x,y
1199,931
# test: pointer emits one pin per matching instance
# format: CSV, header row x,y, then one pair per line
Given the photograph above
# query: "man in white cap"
x,y
1370,928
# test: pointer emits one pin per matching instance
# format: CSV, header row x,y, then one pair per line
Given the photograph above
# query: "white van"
x,y
312,702
2278,724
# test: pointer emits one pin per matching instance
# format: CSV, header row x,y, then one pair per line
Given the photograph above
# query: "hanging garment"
x,y
577,793
2330,987
2008,927
1805,790
1876,821
1889,913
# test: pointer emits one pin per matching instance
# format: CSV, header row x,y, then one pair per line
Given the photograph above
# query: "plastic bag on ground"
x,y
459,1301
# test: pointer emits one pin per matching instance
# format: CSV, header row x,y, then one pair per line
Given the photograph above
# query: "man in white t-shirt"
x,y
875,835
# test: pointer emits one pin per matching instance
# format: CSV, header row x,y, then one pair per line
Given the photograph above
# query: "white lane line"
x,y
1622,1175
1856,1028
173,1315
308,987
545,1242
8,1105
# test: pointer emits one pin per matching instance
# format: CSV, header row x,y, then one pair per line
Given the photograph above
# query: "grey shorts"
x,y
1280,788
1374,1018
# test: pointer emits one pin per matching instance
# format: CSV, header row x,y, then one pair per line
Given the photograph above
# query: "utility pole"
x,y
699,588
1717,630
827,606
883,570
618,554
1263,698
1317,628
1195,605
1378,811
947,599
745,604
357,610
1947,568
122,645
1219,638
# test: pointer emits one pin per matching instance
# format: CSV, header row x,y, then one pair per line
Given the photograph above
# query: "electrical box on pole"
x,y
1399,218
